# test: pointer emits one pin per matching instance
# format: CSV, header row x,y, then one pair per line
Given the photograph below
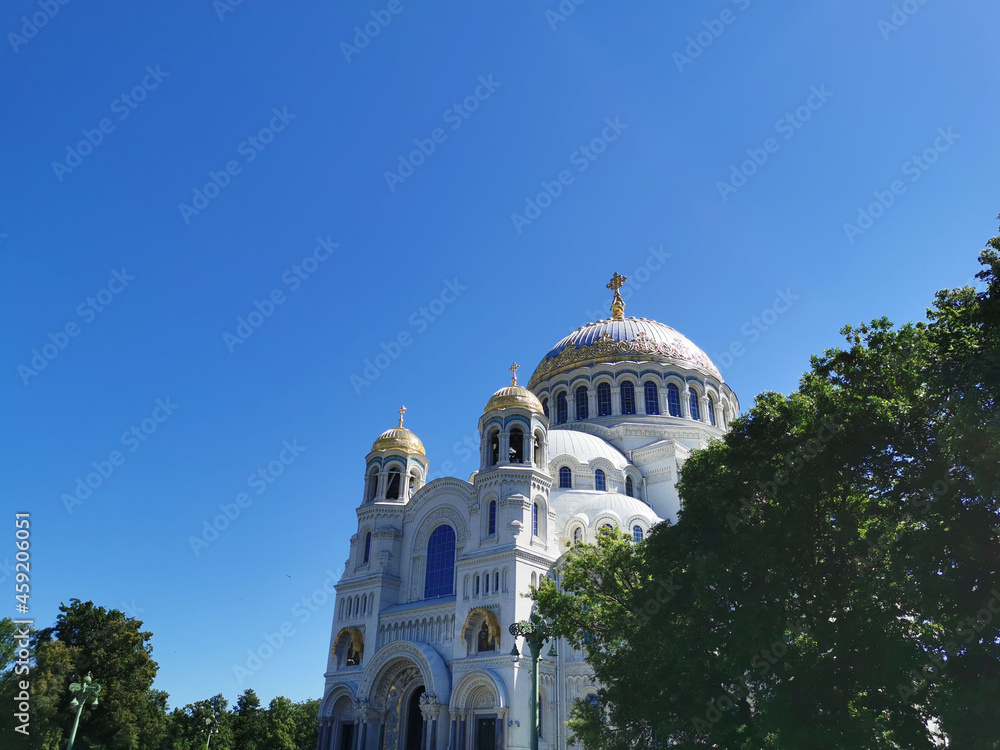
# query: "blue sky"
x,y
712,152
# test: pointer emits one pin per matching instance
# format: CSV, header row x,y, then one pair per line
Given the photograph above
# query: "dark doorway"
x,y
414,721
346,737
486,734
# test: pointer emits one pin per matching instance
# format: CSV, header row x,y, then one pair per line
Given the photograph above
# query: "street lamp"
x,y
212,722
86,689
535,632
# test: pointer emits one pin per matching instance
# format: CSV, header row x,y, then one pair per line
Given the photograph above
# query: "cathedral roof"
x,y
398,438
516,396
627,339
584,447
591,503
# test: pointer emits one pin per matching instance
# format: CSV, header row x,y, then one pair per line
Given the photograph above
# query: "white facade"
x,y
420,647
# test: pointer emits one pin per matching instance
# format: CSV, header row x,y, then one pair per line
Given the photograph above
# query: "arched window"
x,y
711,411
600,483
695,411
628,397
652,398
545,406
486,583
577,535
606,527
565,478
413,484
368,548
537,444
673,400
494,447
475,585
581,402
395,479
496,581
493,518
371,484
637,533
534,519
440,578
562,411
629,489
603,400
515,453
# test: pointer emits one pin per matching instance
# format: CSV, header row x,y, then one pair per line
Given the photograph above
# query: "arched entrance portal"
x,y
414,721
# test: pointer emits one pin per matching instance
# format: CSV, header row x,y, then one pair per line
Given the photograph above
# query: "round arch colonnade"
x,y
379,710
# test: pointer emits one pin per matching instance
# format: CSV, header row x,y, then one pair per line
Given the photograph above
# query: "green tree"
x,y
279,726
87,638
831,580
188,727
248,722
306,717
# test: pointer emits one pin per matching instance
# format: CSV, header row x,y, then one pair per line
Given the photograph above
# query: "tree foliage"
x,y
833,580
131,714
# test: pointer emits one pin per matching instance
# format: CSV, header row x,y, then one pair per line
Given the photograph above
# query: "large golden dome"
x,y
514,396
399,438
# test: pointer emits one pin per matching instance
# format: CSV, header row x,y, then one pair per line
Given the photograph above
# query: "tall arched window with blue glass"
x,y
673,400
652,398
695,411
440,578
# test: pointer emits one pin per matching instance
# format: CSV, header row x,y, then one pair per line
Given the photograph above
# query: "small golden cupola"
x,y
396,466
399,438
512,428
514,395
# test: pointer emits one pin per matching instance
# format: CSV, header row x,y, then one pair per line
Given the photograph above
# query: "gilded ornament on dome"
x,y
640,347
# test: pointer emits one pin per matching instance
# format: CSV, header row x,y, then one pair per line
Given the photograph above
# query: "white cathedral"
x,y
421,653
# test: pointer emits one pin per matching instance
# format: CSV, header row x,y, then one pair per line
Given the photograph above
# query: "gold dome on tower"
x,y
399,438
514,395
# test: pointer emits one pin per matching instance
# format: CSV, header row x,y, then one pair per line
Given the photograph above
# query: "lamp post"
x,y
213,726
85,689
535,632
